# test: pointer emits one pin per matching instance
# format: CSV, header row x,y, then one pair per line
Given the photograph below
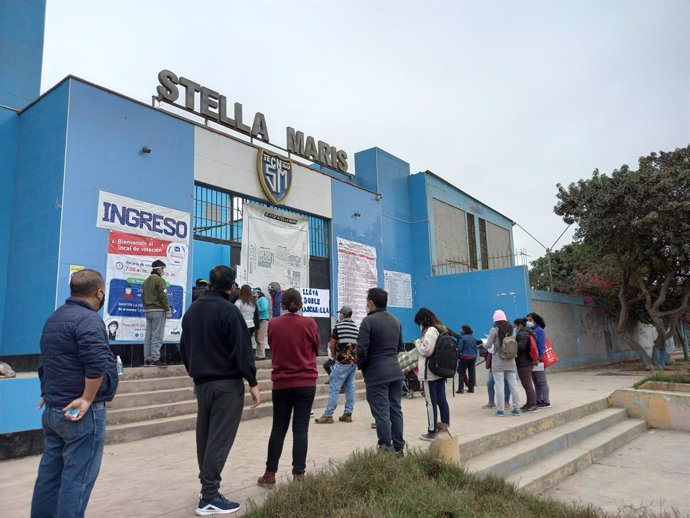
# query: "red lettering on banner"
x,y
123,243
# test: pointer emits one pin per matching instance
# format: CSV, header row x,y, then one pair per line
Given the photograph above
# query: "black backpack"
x,y
443,361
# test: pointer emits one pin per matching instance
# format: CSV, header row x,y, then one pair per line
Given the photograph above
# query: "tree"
x,y
639,223
561,270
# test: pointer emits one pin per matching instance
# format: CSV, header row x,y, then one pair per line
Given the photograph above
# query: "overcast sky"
x,y
502,99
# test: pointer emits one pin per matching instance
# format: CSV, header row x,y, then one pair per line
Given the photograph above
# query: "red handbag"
x,y
549,357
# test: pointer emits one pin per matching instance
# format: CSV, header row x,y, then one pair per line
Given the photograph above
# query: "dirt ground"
x,y
677,366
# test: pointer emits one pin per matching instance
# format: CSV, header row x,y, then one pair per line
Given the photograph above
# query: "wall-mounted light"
x,y
379,197
146,150
356,214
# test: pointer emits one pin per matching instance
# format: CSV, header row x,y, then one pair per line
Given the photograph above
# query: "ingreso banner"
x,y
141,218
129,264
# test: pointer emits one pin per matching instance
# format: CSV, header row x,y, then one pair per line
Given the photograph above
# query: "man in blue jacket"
x,y
378,344
78,375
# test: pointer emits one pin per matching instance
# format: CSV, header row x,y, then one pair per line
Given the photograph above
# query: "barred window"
x,y
472,241
483,243
218,218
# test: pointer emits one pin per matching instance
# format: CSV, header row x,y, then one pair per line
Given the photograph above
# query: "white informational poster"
x,y
357,273
399,288
129,264
275,247
317,303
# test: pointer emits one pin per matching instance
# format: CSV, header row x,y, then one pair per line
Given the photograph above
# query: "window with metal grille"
x,y
218,218
472,241
483,244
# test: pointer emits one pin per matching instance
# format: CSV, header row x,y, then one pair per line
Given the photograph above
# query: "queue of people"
x,y
216,350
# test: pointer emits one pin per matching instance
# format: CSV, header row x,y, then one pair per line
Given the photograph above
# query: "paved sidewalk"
x,y
158,477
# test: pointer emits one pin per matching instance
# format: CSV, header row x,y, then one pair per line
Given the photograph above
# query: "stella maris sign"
x,y
211,105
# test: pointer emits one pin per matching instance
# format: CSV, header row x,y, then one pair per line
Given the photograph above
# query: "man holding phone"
x,y
78,375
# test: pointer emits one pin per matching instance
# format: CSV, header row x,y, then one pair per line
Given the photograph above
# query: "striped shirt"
x,y
345,334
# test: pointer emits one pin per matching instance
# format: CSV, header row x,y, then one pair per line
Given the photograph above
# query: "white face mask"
x,y
530,323
421,329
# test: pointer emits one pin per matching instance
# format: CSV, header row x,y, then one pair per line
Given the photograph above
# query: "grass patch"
x,y
664,378
379,485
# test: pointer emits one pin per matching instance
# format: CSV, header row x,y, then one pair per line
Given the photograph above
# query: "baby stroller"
x,y
411,384
408,362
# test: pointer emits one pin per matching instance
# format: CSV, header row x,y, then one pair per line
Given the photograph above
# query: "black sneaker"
x,y
159,363
429,436
147,363
544,404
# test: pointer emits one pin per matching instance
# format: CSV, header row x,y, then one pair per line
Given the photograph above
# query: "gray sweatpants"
x,y
155,329
219,410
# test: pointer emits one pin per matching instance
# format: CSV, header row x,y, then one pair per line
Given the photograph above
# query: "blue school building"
x,y
193,151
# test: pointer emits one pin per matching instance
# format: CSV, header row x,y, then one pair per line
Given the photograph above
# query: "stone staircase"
x,y
156,401
537,455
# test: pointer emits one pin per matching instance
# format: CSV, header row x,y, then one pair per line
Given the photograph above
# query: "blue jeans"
x,y
70,464
491,390
384,403
341,375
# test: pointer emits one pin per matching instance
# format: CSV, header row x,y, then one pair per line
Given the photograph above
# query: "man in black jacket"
x,y
378,344
78,375
217,352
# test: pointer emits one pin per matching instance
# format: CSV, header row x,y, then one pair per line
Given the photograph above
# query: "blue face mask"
x,y
530,324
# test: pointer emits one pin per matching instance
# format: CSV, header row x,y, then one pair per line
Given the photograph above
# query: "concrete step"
x,y
137,373
321,390
508,459
546,421
263,367
131,386
540,475
133,431
150,412
146,392
151,397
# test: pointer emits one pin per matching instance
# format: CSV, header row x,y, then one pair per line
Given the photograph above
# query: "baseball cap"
x,y
346,310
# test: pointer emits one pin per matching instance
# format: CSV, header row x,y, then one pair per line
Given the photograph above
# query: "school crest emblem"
x,y
275,175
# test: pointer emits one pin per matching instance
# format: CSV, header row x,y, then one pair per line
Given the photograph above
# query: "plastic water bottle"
x,y
120,368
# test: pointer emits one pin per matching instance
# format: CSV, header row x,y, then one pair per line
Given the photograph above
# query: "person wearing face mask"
x,y
536,323
78,375
378,343
157,310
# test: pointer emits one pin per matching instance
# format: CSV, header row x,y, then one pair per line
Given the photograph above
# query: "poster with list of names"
x,y
356,274
399,288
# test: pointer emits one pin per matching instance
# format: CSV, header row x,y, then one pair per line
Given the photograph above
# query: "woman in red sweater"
x,y
295,343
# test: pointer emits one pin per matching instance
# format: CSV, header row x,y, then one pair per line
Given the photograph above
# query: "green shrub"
x,y
379,485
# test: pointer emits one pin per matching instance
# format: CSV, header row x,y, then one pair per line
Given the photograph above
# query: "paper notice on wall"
x,y
74,268
129,264
317,303
275,247
356,274
399,288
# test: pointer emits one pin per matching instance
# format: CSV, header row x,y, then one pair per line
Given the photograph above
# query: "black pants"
x,y
467,364
286,402
219,409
